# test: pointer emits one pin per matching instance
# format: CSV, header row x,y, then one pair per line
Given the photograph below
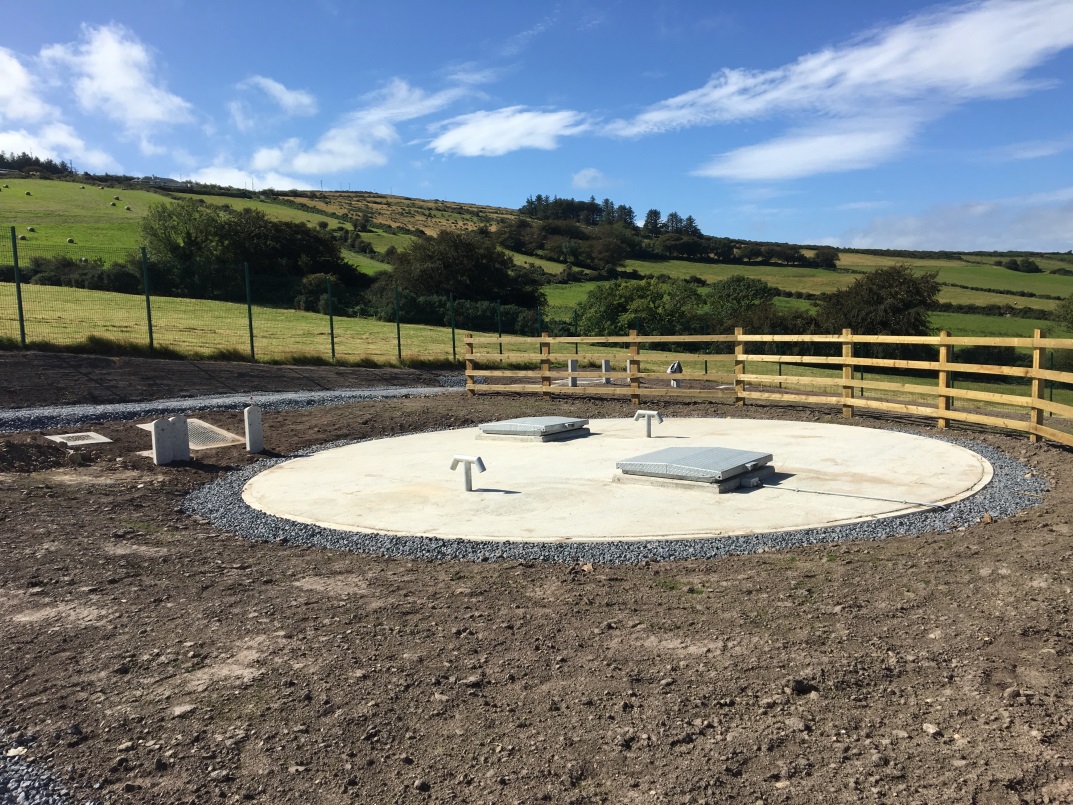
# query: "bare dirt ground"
x,y
148,657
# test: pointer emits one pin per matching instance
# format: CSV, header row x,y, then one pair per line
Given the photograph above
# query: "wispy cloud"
x,y
1034,149
115,75
588,179
847,146
293,102
361,138
920,67
505,130
517,44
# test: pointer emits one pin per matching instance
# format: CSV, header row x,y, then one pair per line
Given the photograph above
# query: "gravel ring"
x,y
1013,488
24,783
15,420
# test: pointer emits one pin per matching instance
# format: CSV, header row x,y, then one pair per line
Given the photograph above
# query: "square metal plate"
x,y
204,436
704,464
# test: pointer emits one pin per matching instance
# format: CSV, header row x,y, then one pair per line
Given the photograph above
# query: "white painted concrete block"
x,y
180,436
571,366
605,367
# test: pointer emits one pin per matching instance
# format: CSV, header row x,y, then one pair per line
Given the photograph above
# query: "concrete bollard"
x,y
571,366
605,367
255,438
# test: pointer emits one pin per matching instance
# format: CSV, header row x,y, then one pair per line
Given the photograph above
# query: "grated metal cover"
x,y
204,436
705,464
86,437
533,426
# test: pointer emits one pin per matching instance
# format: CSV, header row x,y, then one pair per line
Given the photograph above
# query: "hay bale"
x,y
116,198
70,240
30,229
27,192
112,204
22,237
127,208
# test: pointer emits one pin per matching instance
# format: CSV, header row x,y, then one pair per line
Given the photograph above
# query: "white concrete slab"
x,y
563,491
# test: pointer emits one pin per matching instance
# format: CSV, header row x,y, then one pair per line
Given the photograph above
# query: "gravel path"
x,y
60,416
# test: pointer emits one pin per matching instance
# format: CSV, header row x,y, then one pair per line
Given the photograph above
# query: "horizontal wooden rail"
x,y
943,377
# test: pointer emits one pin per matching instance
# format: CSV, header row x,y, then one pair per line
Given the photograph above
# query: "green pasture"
x,y
71,317
61,210
977,272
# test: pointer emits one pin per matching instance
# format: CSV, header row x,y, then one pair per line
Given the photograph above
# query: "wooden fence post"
x,y
471,390
1035,414
944,379
634,366
739,367
545,364
847,373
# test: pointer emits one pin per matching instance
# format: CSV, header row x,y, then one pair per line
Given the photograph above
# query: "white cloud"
x,y
293,102
504,130
361,138
805,153
1039,222
115,76
922,66
230,176
241,117
588,178
18,94
59,142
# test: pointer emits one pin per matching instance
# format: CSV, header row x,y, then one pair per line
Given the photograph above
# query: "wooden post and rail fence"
x,y
496,361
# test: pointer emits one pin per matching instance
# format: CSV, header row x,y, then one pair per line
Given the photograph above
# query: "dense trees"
x,y
894,300
467,264
31,164
191,246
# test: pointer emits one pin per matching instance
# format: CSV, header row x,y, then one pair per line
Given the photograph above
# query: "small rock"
x,y
220,775
181,710
421,785
933,730
126,746
1011,693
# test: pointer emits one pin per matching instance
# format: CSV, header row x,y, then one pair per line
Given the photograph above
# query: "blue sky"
x,y
890,125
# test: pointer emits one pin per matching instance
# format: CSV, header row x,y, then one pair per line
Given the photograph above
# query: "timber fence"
x,y
810,369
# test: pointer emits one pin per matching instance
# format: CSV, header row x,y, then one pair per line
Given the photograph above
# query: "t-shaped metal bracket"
x,y
468,463
648,416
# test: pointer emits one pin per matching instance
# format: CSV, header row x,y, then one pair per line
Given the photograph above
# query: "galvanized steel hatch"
x,y
703,464
534,426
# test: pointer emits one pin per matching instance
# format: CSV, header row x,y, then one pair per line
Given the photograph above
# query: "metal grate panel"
x,y
533,426
86,437
704,464
204,436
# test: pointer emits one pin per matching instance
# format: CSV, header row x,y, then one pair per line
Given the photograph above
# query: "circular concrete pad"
x,y
568,491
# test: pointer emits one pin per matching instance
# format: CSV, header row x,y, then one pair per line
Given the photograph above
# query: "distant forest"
x,y
27,163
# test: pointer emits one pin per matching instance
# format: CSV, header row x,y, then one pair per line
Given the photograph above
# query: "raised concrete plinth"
x,y
564,491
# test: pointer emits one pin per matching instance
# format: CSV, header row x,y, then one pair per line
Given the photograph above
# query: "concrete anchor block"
x,y
571,366
171,440
605,367
255,438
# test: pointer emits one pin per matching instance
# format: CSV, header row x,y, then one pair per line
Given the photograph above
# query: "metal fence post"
x,y
249,310
499,325
398,325
18,288
331,319
576,333
148,304
454,350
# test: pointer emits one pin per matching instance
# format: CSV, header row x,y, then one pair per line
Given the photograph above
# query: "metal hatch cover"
x,y
533,426
704,464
